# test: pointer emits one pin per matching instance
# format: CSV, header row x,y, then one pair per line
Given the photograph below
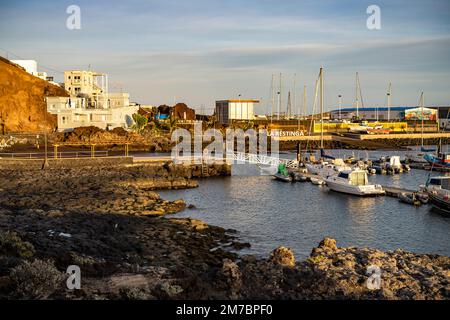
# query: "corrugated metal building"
x,y
383,113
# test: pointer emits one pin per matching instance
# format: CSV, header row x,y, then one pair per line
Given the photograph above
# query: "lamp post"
x,y
340,105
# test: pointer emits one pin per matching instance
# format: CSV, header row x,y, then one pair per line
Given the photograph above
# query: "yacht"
x,y
353,182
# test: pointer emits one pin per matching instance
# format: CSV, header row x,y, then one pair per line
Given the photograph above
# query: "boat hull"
x,y
439,203
281,177
361,191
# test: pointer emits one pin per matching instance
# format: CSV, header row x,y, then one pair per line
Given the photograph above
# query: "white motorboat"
x,y
354,182
326,169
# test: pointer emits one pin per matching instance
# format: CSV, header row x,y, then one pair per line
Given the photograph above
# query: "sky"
x,y
199,51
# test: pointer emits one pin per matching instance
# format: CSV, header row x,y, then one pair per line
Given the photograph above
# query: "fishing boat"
x,y
354,182
438,190
441,161
440,200
436,184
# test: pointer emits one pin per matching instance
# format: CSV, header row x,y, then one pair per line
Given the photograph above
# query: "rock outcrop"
x,y
22,100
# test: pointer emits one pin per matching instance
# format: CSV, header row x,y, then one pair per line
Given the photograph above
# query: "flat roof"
x,y
239,100
386,109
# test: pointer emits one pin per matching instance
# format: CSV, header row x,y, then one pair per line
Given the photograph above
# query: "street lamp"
x,y
340,105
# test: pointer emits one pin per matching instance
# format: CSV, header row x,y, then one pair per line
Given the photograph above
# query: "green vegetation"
x,y
36,280
12,245
140,122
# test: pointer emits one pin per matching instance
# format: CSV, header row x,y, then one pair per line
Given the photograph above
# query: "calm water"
x,y
269,213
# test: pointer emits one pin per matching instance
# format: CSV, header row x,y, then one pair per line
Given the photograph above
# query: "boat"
x,y
298,176
409,198
325,169
440,200
317,181
419,157
282,174
416,158
436,183
354,182
441,161
438,191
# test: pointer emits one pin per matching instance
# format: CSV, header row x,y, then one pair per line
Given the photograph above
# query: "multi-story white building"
x,y
229,110
90,103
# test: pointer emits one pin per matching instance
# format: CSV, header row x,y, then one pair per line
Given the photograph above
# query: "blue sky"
x,y
198,51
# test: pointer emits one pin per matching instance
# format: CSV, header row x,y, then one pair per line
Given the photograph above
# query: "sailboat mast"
x,y
279,100
389,101
321,107
305,111
272,98
421,111
294,100
356,96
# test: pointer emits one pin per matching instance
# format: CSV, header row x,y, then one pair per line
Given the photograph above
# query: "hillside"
x,y
22,100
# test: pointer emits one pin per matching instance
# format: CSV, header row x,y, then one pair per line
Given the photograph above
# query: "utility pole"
x,y
340,105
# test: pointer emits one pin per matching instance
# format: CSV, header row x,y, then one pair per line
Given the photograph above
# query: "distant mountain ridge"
x,y
22,100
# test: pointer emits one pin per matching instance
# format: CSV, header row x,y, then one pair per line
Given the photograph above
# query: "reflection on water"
x,y
269,213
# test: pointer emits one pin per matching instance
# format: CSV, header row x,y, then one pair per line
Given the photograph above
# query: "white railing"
x,y
239,157
262,159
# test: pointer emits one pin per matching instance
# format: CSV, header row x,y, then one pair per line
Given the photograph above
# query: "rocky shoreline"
x,y
113,225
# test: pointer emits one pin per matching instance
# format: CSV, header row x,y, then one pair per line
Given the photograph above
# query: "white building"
x,y
30,66
229,110
90,103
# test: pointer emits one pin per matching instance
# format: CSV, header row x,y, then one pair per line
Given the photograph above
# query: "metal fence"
x,y
53,155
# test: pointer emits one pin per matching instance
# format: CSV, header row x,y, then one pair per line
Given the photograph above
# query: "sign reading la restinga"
x,y
286,133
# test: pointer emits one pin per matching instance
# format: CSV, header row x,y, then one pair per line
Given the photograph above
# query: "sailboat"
x,y
325,168
419,157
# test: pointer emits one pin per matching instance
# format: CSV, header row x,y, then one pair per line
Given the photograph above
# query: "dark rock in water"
x,y
191,206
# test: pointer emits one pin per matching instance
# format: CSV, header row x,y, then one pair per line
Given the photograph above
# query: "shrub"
x,y
12,245
36,280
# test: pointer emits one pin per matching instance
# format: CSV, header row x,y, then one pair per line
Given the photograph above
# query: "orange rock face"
x,y
22,100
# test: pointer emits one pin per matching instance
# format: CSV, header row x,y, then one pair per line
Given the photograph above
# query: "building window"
x,y
63,120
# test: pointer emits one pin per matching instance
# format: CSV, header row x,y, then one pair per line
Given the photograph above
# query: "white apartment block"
x,y
90,103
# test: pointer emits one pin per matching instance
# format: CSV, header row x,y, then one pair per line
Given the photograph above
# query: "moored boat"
x,y
283,174
440,200
354,182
